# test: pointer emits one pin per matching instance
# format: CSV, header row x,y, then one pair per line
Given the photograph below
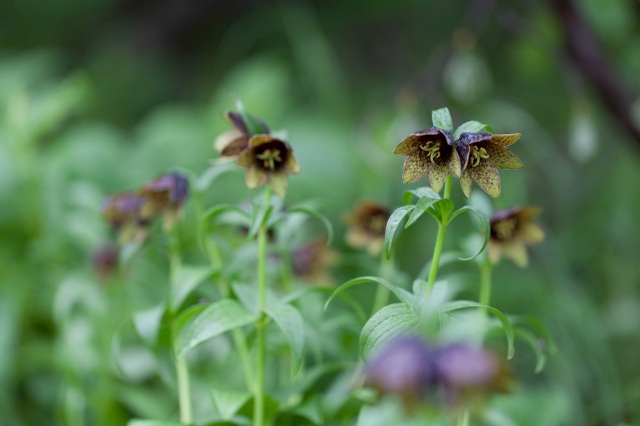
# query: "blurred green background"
x,y
99,97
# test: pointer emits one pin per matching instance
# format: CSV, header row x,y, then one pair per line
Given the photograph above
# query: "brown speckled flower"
x,y
481,155
430,152
164,195
231,143
268,160
367,225
511,231
124,213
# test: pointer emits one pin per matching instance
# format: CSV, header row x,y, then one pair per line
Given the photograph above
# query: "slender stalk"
x,y
437,251
258,414
184,390
381,298
464,419
485,282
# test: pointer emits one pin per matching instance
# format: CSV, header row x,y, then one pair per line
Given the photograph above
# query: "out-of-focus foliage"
x,y
100,97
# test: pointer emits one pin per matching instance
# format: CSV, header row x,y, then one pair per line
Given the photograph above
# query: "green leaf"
x,y
185,280
291,324
537,327
259,217
530,339
402,294
484,221
442,118
385,325
228,402
471,127
392,225
422,192
186,316
147,323
204,181
422,206
441,209
223,208
506,324
253,125
218,318
316,214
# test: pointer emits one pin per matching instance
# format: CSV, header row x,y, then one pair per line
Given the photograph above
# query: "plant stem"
x,y
464,419
184,390
382,293
486,268
258,414
182,369
437,251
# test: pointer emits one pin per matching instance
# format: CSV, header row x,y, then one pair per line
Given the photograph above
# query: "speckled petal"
x,y
453,163
494,250
465,183
412,142
530,233
258,140
415,167
438,175
505,140
247,158
235,147
517,252
468,138
256,177
487,178
463,153
502,158
278,182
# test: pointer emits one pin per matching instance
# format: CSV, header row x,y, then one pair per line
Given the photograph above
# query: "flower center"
x,y
505,229
477,154
377,224
432,148
269,158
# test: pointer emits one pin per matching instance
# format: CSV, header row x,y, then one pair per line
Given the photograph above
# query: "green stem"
x,y
437,251
464,419
182,369
485,282
381,298
184,390
258,414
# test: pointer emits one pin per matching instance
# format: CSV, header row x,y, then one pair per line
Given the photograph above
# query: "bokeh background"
x,y
99,97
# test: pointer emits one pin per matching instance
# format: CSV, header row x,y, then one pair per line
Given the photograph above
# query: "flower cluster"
x,y
451,374
471,156
268,159
131,213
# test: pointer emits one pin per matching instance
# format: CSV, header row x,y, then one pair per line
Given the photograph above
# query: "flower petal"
x,y
494,249
453,163
487,177
235,147
463,153
257,140
256,177
465,183
247,158
291,166
505,140
530,233
411,143
517,252
278,182
438,175
415,167
502,158
468,138
237,121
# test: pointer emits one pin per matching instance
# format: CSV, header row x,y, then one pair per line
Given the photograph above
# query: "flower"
x,y
268,161
124,213
105,261
367,225
165,194
402,368
233,142
311,262
481,155
430,152
511,231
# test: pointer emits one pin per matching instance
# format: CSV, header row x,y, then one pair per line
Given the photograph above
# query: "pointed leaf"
x,y
186,279
385,325
442,118
259,217
422,206
471,127
423,191
212,173
441,209
228,402
147,323
392,224
314,213
531,340
402,294
223,208
484,221
506,324
218,318
291,324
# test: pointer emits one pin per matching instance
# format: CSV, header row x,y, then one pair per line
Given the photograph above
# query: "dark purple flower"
x,y
462,366
105,261
165,195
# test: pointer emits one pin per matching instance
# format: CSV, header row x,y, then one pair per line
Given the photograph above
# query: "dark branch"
x,y
590,59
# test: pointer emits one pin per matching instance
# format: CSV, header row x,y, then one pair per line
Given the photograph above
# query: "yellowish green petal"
x,y
530,233
256,177
415,167
408,146
494,249
502,158
505,140
278,182
453,165
517,252
437,175
292,166
487,178
465,183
